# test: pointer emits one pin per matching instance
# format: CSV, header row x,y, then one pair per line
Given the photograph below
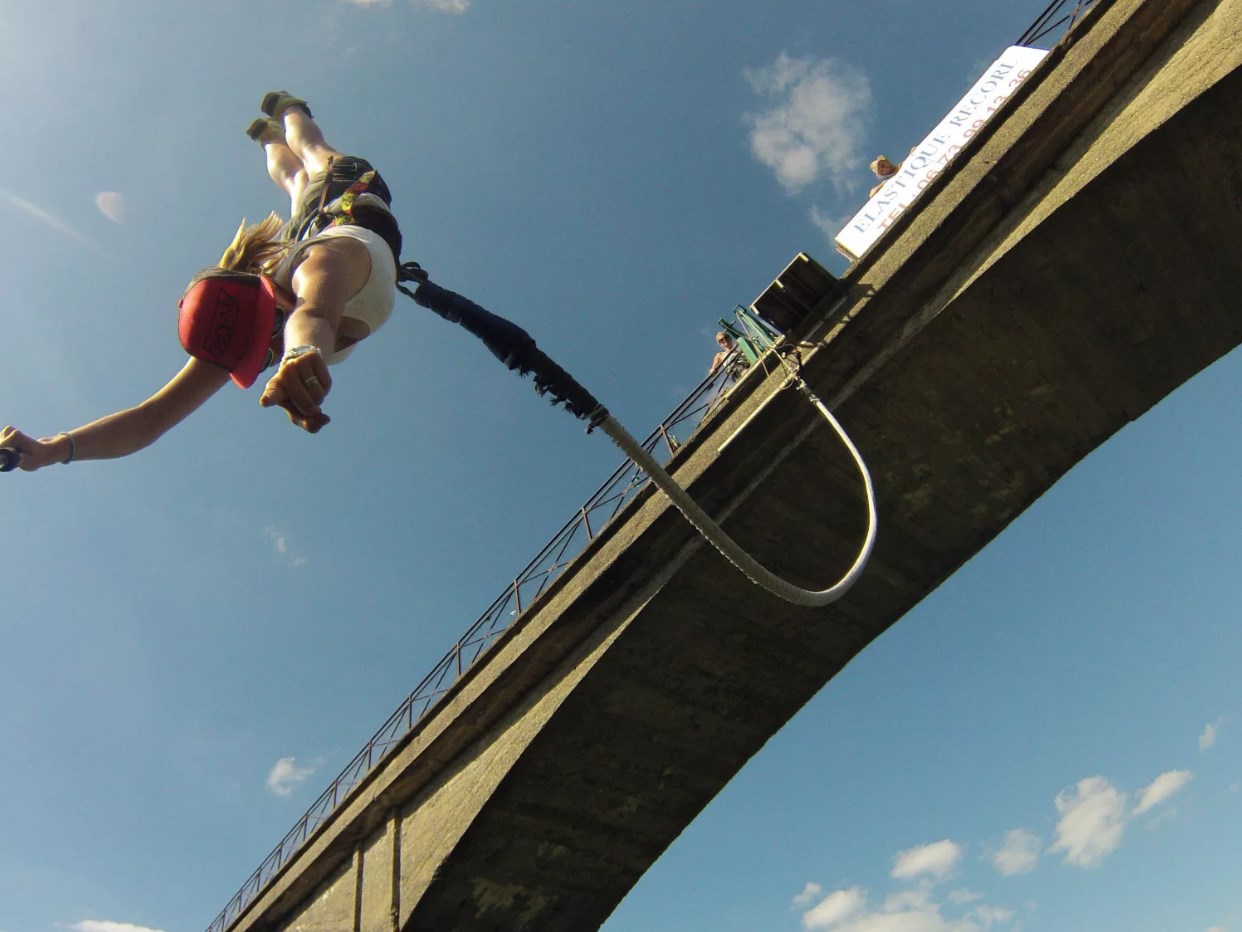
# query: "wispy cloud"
x,y
835,908
912,907
987,915
1093,815
907,910
112,205
1208,738
964,896
284,547
935,860
441,6
829,225
284,777
817,123
808,895
1018,854
104,925
1093,819
48,219
1161,789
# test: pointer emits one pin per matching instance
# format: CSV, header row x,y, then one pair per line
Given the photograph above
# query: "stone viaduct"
x,y
1075,264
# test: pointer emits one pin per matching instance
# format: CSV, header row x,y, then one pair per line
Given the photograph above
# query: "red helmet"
x,y
229,318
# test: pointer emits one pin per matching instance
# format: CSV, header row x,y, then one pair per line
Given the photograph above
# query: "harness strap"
x,y
346,200
327,183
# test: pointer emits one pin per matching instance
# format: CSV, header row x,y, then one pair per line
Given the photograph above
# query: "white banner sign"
x,y
929,158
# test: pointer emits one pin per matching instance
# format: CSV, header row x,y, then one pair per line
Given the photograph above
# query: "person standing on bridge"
x,y
299,295
883,169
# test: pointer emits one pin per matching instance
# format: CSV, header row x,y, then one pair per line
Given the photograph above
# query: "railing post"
x,y
668,440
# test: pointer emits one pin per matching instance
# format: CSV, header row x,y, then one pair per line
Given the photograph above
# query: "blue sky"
x,y
196,639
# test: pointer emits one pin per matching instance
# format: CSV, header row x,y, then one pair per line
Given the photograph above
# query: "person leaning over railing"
x,y
303,293
883,169
729,356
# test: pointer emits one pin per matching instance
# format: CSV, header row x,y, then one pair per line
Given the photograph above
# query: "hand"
x,y
35,454
300,386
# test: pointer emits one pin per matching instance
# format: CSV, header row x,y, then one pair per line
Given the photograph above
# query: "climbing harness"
x,y
352,193
517,350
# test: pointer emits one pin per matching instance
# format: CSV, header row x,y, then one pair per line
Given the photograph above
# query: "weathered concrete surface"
x,y
1069,272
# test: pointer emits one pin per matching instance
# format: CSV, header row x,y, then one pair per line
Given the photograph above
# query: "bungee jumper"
x,y
301,294
298,295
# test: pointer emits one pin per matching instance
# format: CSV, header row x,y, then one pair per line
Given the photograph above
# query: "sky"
x,y
196,639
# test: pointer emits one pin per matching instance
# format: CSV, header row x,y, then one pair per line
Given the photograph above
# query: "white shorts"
x,y
373,304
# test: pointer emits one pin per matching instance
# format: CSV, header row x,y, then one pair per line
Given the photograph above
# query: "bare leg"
x,y
287,170
306,141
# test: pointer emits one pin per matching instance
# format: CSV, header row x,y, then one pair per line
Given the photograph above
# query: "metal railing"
x,y
619,489
1059,16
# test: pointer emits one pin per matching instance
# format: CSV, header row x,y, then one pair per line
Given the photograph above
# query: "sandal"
x,y
276,101
265,130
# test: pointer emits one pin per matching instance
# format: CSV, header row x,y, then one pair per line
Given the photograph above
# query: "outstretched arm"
x,y
127,431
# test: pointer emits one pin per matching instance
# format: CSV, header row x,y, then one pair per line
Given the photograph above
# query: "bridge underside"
x,y
1066,276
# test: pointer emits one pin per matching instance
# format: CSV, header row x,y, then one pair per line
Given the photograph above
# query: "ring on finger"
x,y
311,382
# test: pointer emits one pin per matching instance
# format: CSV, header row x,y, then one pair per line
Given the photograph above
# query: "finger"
x,y
319,370
316,391
273,393
298,393
314,376
312,424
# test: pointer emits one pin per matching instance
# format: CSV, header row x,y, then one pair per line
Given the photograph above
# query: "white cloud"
x,y
936,859
441,6
817,124
47,218
1161,789
987,915
1092,821
964,896
1018,854
830,226
1217,929
103,925
909,909
834,908
112,205
892,917
910,899
286,775
283,547
808,895
1208,738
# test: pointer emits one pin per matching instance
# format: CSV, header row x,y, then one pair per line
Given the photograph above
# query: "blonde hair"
x,y
257,247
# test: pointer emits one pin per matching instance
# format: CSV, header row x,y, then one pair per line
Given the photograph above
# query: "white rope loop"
x,y
716,536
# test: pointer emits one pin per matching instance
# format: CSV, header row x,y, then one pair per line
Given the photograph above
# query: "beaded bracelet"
x,y
73,447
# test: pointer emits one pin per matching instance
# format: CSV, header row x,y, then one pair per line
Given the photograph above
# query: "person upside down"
x,y
297,295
